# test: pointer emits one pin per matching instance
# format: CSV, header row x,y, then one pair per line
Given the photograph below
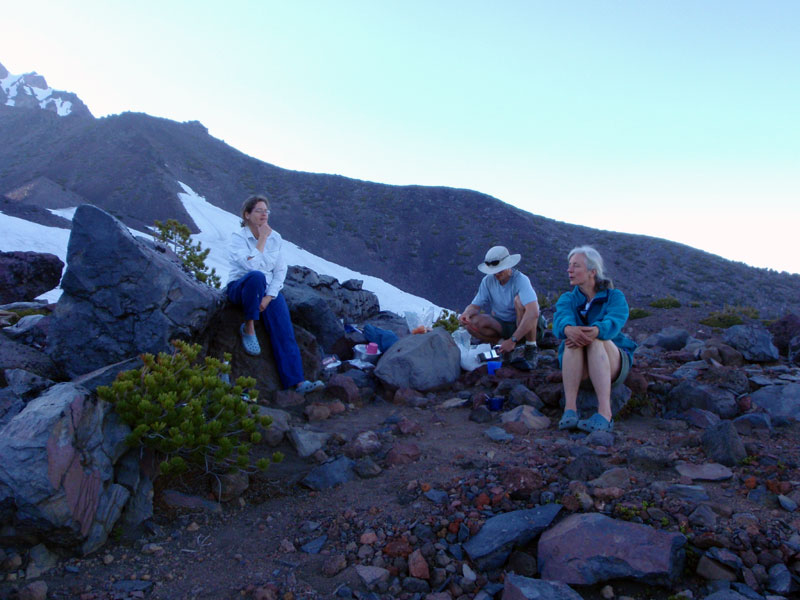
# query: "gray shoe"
x,y
531,354
516,359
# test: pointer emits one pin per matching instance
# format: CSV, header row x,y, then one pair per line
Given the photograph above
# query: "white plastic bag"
x,y
416,320
469,354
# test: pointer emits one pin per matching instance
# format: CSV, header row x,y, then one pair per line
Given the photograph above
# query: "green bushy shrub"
x,y
668,302
177,236
182,409
448,320
638,313
730,316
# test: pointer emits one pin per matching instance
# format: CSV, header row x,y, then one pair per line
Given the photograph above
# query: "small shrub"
x,y
448,320
178,237
638,313
668,302
183,410
722,320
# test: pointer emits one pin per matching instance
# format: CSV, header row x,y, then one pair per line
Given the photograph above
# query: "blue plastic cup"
x,y
493,365
495,403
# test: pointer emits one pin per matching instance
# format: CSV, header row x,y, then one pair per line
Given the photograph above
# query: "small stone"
x,y
417,566
108,559
34,591
151,549
193,526
287,546
607,592
333,564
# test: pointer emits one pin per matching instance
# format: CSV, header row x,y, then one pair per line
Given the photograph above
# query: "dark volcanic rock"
x,y
491,546
783,330
589,548
691,394
780,401
25,275
753,341
525,588
723,444
121,297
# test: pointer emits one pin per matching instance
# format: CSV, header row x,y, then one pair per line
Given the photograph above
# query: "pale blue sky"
x,y
679,119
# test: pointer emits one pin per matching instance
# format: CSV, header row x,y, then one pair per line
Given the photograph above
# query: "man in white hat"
x,y
510,309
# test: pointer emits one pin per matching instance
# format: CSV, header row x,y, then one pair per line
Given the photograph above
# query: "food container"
x,y
361,353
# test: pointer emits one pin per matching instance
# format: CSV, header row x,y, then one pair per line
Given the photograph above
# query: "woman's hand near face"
x,y
264,302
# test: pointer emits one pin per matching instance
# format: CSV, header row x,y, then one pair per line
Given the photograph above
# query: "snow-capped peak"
x,y
30,90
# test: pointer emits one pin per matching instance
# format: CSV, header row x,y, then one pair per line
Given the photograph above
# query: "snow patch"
x,y
67,213
217,225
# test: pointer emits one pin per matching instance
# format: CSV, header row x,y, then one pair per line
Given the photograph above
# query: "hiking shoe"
x,y
569,420
304,387
516,359
596,422
250,342
531,354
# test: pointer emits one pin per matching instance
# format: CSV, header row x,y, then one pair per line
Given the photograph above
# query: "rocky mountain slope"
x,y
31,91
426,240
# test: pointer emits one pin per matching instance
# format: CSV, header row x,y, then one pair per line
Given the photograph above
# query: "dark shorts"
x,y
624,368
507,328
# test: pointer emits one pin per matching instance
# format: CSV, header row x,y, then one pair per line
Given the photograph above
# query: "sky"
x,y
677,119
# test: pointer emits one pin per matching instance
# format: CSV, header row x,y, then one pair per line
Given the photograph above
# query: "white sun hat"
x,y
498,259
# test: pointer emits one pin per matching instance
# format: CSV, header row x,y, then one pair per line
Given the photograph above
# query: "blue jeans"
x,y
248,292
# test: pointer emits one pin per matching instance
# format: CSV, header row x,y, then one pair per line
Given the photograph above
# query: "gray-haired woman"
x,y
589,319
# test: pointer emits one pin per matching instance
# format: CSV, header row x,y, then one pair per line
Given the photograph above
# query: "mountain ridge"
x,y
426,240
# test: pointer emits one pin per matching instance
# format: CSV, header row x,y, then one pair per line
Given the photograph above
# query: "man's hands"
x,y
264,302
578,337
506,346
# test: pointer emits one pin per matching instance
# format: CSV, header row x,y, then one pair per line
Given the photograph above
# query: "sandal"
x,y
304,387
596,422
250,342
568,420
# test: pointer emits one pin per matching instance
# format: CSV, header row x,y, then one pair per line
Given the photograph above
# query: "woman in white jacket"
x,y
258,270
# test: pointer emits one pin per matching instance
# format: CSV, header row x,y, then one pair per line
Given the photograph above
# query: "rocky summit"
x,y
399,479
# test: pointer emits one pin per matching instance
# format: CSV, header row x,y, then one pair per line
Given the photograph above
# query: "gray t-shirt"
x,y
498,300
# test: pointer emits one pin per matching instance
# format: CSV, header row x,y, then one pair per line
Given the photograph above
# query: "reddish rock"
x,y
608,493
368,537
570,502
344,389
482,500
333,564
522,482
637,382
417,566
317,412
750,482
34,591
287,398
403,453
337,407
516,428
398,547
362,444
409,397
408,427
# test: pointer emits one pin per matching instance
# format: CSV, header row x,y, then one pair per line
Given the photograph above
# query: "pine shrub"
x,y
668,302
187,412
177,236
448,320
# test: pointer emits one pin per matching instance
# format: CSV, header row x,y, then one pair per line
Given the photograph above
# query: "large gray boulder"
x,y
57,470
348,300
422,362
669,338
692,394
310,311
753,341
121,297
25,275
780,401
585,549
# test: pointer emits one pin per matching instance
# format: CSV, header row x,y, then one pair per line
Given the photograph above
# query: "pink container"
x,y
372,348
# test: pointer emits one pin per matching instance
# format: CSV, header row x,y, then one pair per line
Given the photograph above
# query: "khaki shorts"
x,y
507,328
624,368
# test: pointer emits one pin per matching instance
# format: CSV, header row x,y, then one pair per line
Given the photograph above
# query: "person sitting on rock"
x,y
589,319
258,270
511,309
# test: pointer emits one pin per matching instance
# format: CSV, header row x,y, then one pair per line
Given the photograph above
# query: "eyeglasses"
x,y
492,263
261,211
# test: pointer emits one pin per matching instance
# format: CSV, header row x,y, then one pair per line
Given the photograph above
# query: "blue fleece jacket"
x,y
608,312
